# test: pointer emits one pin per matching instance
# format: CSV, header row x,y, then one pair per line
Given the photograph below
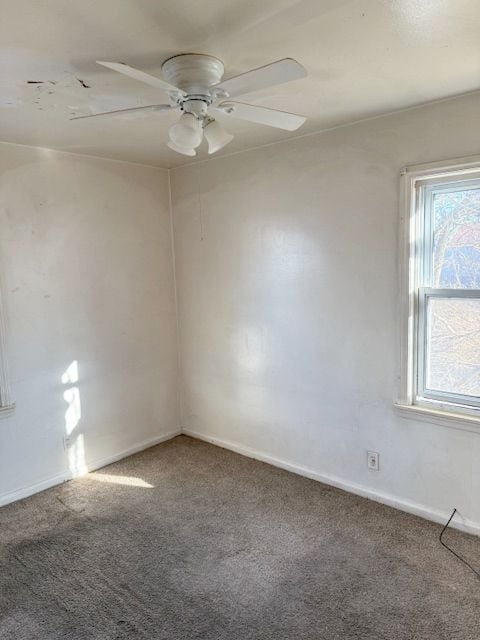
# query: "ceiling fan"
x,y
193,85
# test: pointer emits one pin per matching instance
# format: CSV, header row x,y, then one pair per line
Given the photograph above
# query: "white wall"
x,y
287,283
86,276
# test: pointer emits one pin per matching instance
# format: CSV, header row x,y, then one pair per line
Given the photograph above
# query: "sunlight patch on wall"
x,y
75,443
71,373
74,410
76,457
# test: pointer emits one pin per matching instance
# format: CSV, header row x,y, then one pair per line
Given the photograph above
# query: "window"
x,y
441,368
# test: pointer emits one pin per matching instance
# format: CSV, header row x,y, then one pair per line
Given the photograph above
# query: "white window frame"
x,y
6,403
414,400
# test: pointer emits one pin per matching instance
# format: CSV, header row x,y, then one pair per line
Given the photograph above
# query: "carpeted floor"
x,y
204,543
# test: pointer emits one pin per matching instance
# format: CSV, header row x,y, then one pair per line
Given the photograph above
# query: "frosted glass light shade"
x,y
185,150
187,132
216,136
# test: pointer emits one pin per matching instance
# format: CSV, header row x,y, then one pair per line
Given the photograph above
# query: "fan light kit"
x,y
193,84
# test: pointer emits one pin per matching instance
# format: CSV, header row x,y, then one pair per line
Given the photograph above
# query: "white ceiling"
x,y
363,57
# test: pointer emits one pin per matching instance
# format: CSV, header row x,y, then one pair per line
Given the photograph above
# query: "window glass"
x,y
456,239
453,345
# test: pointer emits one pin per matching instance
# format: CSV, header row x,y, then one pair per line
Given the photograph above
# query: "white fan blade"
x,y
263,77
262,115
136,74
150,107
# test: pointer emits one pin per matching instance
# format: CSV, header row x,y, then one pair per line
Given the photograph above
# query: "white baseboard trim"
x,y
463,524
68,474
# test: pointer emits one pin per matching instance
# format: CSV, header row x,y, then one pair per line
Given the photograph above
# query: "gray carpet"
x,y
224,547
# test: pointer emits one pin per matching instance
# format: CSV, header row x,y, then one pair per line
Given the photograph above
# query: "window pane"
x,y
456,239
453,345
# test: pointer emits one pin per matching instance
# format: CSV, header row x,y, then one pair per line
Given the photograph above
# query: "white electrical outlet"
x,y
373,460
66,442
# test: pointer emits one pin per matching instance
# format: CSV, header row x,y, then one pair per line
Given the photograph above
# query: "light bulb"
x,y
187,132
216,136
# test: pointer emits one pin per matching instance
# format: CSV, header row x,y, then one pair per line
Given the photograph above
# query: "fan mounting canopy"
x,y
194,73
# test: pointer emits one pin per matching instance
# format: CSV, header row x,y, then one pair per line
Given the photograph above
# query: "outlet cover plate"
x,y
373,460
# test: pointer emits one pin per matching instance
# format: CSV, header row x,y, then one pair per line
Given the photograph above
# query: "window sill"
x,y
7,411
463,421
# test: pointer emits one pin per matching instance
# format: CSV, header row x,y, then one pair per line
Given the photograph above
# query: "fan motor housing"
x,y
194,73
